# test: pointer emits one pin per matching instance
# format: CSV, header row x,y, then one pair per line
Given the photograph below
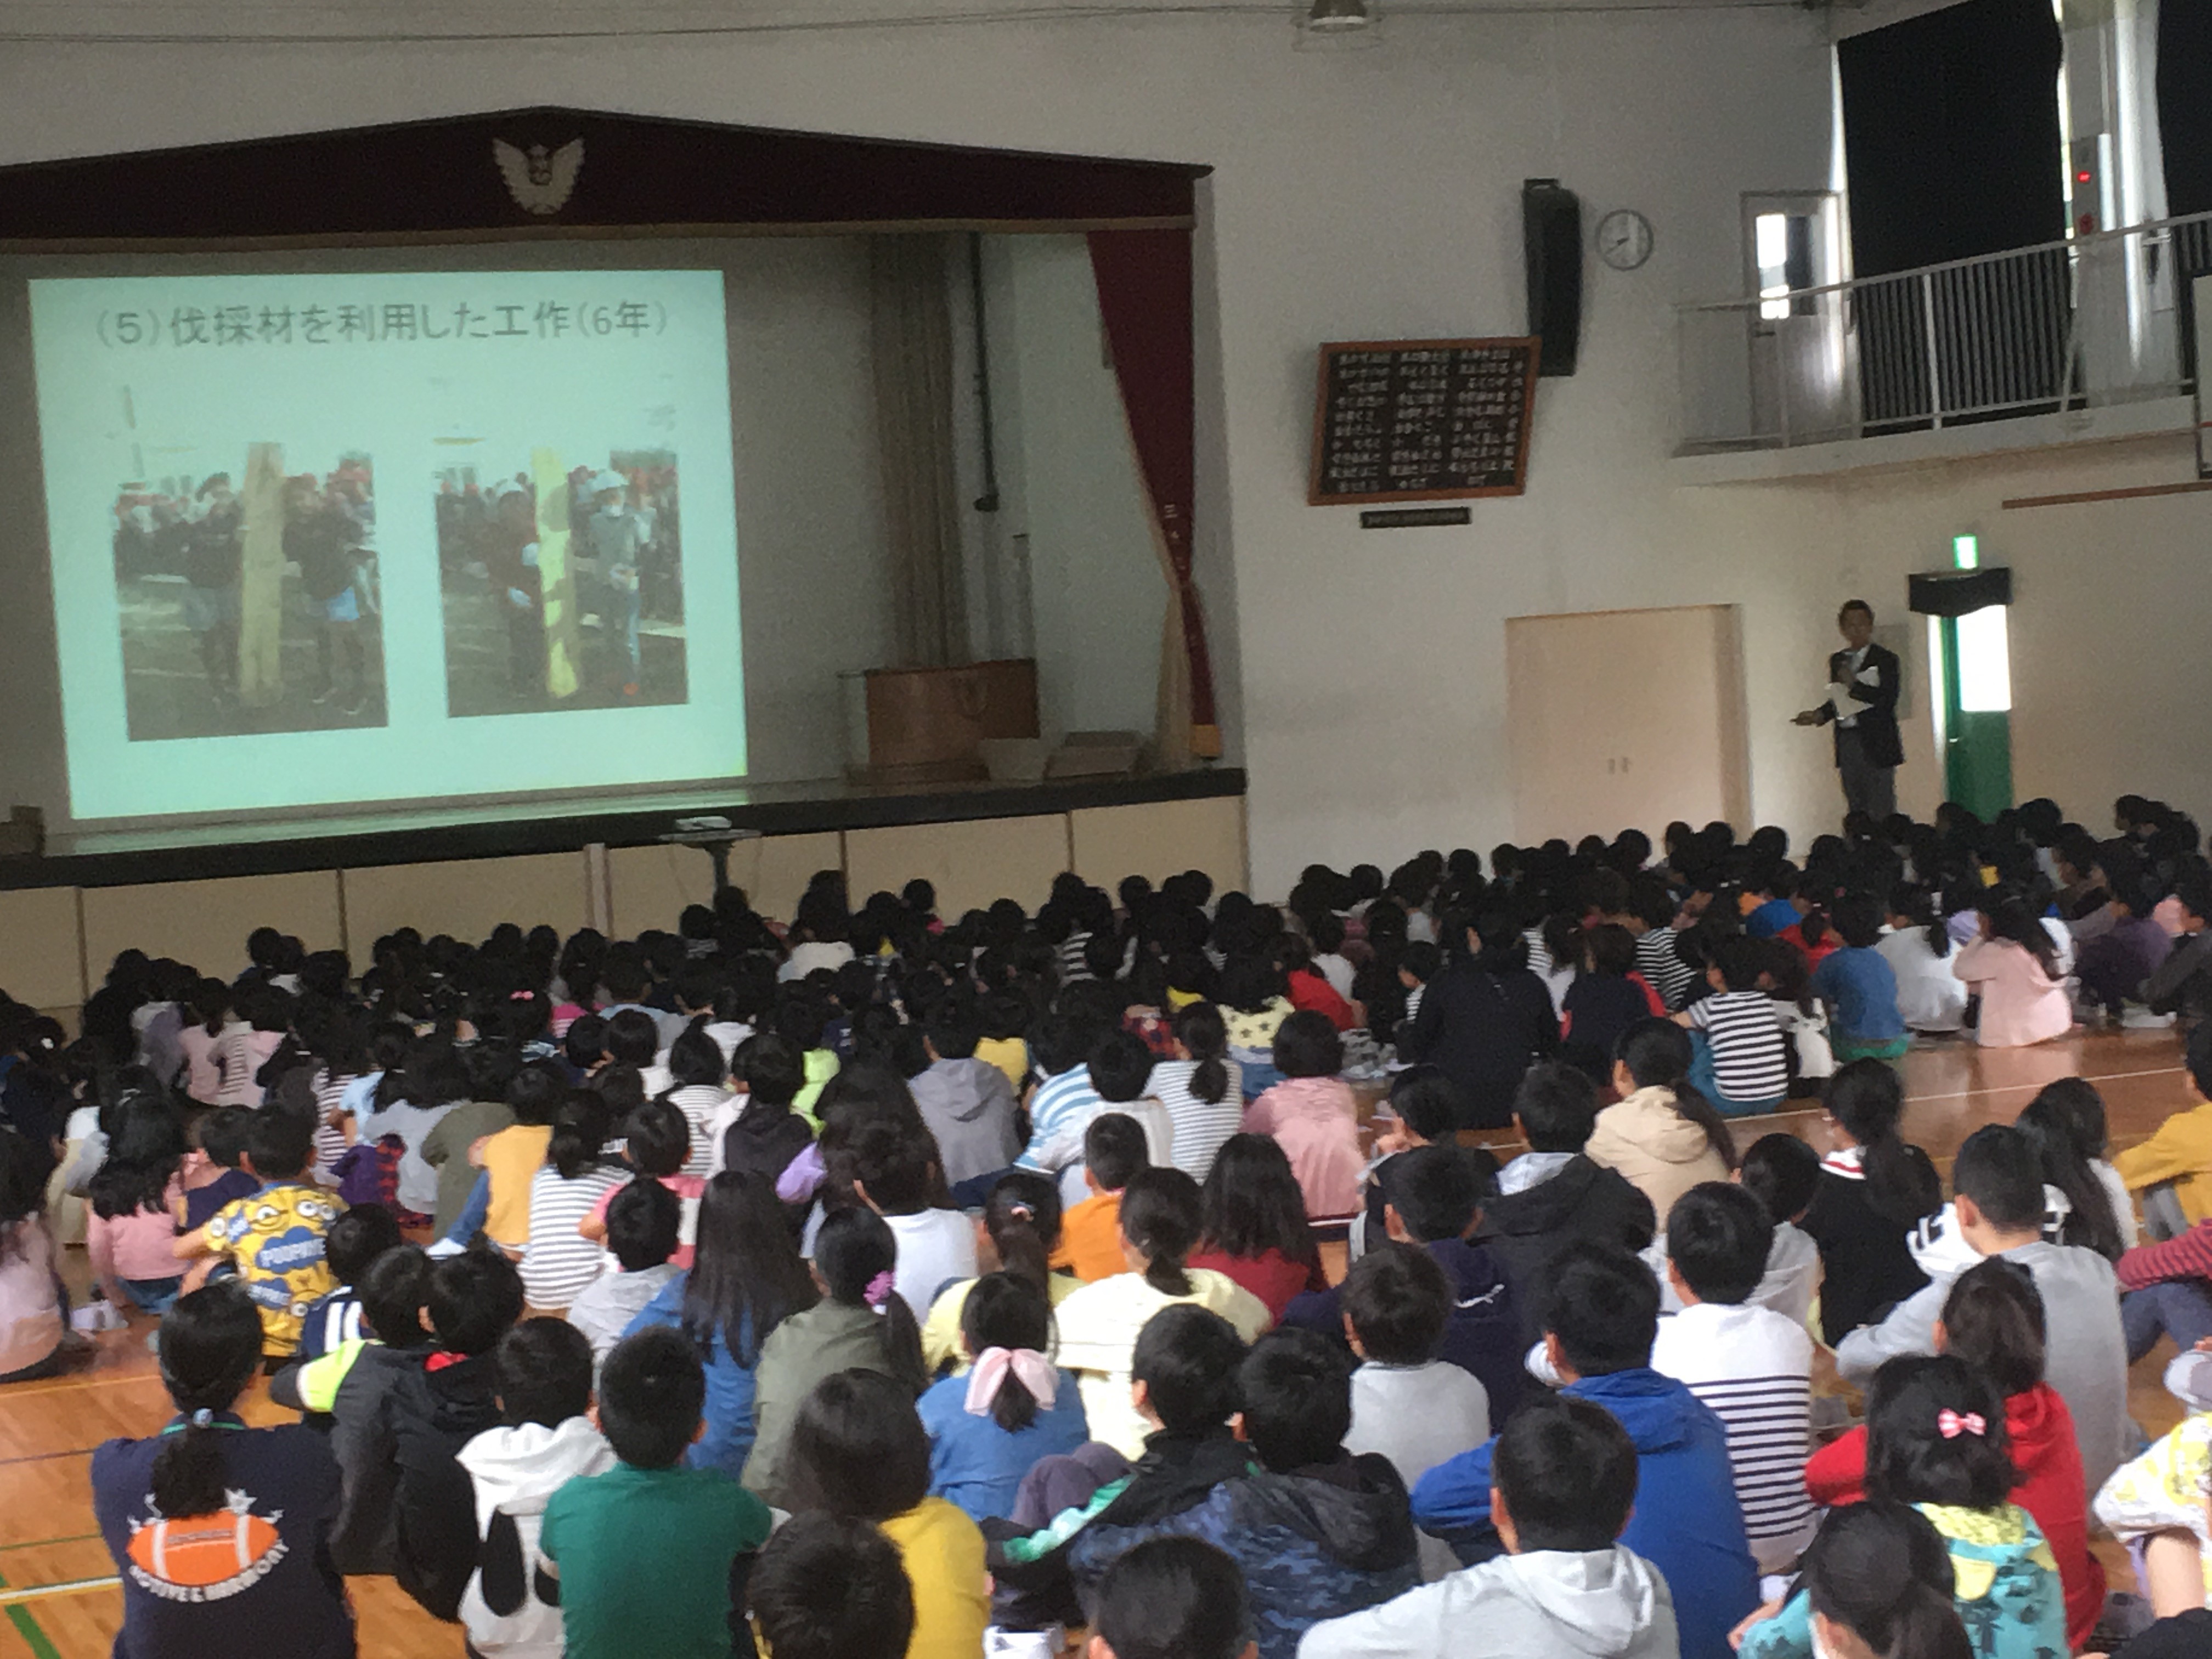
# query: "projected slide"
x,y
335,538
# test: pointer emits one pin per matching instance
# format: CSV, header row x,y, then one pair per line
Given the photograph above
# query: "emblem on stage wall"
x,y
540,179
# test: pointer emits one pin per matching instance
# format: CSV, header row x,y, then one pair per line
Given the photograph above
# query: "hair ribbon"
x,y
203,1417
878,1290
1025,1366
1951,1424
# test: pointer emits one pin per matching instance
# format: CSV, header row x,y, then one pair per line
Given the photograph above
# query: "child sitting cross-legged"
x,y
275,1238
1255,1226
828,1587
1878,1581
543,1368
1114,1149
642,1223
989,1425
1563,1483
650,1557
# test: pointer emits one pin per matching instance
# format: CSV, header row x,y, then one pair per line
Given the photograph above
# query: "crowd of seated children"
x,y
1312,1116
1663,1135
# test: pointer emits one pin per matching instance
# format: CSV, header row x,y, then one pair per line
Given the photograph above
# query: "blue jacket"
x,y
1687,1523
1482,1337
976,1464
729,1413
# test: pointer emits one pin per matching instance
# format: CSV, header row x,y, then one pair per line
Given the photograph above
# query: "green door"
x,y
1975,734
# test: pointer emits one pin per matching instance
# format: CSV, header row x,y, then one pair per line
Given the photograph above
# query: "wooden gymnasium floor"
x,y
57,1591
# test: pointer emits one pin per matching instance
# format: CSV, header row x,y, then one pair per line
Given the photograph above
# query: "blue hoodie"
x,y
1687,1523
729,1410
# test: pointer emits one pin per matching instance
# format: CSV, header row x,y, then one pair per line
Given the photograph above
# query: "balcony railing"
x,y
2093,321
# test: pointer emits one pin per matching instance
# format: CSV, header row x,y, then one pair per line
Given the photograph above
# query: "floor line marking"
x,y
2015,1088
74,1587
44,1543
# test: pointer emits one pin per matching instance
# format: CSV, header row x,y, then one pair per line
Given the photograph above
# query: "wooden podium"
x,y
928,725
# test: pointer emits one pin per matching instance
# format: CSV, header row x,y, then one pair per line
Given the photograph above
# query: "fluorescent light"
x,y
1984,662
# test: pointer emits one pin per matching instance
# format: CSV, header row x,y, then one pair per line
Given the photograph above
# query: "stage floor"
x,y
58,1589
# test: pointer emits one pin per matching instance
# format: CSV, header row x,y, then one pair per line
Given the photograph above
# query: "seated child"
x,y
269,1494
1434,1201
558,1263
1600,1323
1121,1073
33,1311
210,1176
642,1221
827,1587
1860,988
1752,1366
1993,1320
1878,1579
1172,1598
2160,1506
437,1406
1742,1062
1663,1135
858,1450
348,1386
966,1102
1784,1173
1255,1230
1320,1531
357,1238
275,1239
756,1130
1564,1482
542,1371
1936,1440
1875,1189
1114,1149
895,1173
1411,1408
129,1231
1313,1113
2172,1170
510,1157
1423,1107
1017,1232
649,1557
656,1141
1606,998
989,1427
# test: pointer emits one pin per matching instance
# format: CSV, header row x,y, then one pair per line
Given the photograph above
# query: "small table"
x,y
715,844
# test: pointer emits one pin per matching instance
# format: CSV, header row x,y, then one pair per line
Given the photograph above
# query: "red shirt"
x,y
1271,1276
2051,1489
1310,990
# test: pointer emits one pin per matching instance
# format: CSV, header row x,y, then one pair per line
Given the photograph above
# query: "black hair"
x,y
1997,1167
1307,1045
652,1392
774,1070
1910,1458
1204,1036
1556,1104
1295,1387
1436,1191
657,1138
856,1253
1172,1598
145,1148
1993,1319
223,1134
392,1295
1250,1203
584,1044
280,1142
1567,1471
1163,1215
1022,1217
2065,1124
473,1299
1005,1311
1882,1571
211,1348
1782,1173
1114,1149
543,1369
632,1038
1657,1054
1718,1236
695,1060
645,1224
1427,1102
1398,1302
1857,917
1121,1067
579,1130
857,1448
1186,1358
357,1238
1867,1099
895,1159
1603,1304
954,1027
830,1587
536,1091
747,1276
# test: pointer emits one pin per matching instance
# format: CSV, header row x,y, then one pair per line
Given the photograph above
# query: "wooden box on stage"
x,y
928,725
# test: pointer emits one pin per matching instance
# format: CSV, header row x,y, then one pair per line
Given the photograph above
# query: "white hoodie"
x,y
1606,1604
515,1471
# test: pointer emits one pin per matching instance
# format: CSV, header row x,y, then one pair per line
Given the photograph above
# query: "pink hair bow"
x,y
878,1290
1025,1366
1951,1424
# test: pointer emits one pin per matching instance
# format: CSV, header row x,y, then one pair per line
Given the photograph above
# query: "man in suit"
x,y
1861,703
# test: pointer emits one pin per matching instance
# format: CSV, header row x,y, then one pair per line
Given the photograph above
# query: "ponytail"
x,y
1162,1213
1867,1099
1204,1036
1022,1217
579,1130
1658,1053
210,1349
1003,1312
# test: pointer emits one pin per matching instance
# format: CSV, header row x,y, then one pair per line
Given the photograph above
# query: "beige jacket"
x,y
1656,1150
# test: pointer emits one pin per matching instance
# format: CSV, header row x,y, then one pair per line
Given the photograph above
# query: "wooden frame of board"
x,y
1314,494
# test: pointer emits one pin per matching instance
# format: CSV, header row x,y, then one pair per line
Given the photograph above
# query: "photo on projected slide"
x,y
562,580
245,589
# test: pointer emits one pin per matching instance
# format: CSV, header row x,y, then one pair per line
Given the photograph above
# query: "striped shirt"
x,y
330,1140
1662,965
1059,1111
1751,1060
559,1262
1201,1127
1751,1367
699,1102
330,1324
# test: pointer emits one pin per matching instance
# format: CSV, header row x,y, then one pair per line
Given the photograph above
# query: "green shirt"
x,y
644,1558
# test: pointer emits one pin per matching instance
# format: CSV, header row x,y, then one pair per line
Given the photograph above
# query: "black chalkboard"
x,y
1422,420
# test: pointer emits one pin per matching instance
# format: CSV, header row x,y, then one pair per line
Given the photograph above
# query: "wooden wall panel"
x,y
652,884
205,922
971,863
42,964
466,897
1161,839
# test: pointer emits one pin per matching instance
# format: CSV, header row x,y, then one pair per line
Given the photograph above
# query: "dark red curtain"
x,y
1144,297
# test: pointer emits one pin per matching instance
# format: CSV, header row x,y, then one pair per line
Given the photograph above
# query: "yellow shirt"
x,y
275,1239
943,1554
940,1332
821,1066
513,1157
1010,1055
2181,1152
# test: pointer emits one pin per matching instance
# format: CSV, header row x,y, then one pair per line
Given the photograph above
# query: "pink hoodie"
x,y
1315,1121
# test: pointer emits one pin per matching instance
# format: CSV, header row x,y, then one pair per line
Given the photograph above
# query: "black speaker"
x,y
1551,241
